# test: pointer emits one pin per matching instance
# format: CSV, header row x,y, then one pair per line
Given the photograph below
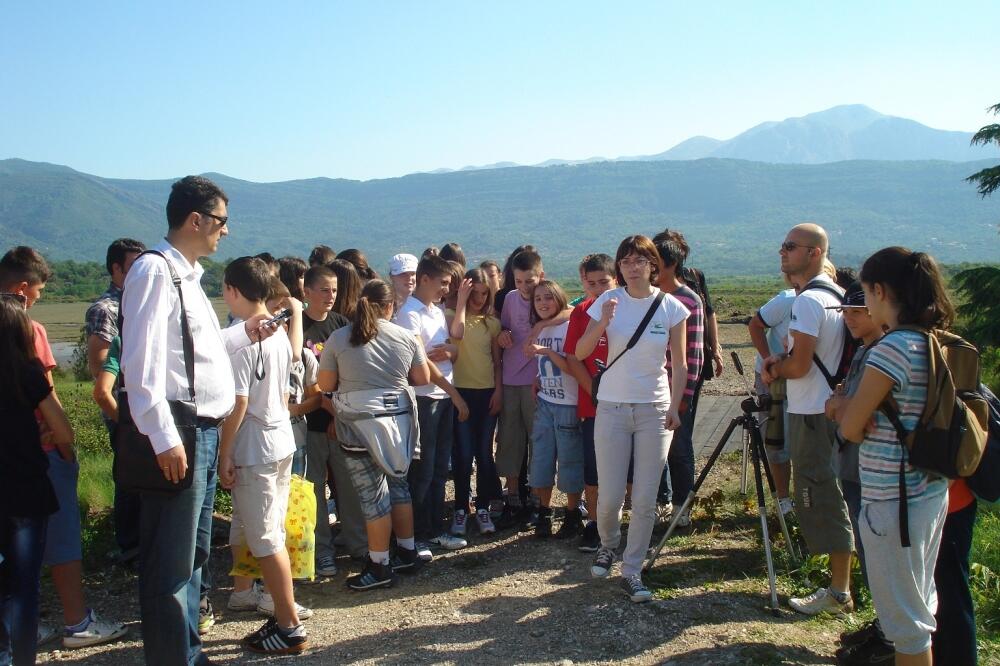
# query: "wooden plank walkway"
x,y
714,414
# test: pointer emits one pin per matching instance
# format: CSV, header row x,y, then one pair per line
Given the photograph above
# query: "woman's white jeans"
x,y
625,431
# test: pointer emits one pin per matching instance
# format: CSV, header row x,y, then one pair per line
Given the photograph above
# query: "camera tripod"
x,y
754,443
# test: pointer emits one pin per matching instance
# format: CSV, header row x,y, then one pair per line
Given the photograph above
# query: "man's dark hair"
x,y
675,236
433,267
118,249
250,276
321,255
846,276
23,264
317,273
671,254
191,194
527,261
598,262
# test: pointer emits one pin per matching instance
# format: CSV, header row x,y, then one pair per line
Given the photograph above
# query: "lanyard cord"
x,y
258,365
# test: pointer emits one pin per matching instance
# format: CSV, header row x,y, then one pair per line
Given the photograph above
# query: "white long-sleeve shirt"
x,y
152,360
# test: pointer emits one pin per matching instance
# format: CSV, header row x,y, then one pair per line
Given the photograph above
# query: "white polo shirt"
x,y
427,322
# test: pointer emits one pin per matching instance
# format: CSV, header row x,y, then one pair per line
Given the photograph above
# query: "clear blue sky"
x,y
273,91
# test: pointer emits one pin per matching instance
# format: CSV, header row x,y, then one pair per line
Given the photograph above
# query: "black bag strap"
x,y
187,343
639,330
830,289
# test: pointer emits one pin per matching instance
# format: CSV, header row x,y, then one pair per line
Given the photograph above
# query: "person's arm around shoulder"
x,y
587,343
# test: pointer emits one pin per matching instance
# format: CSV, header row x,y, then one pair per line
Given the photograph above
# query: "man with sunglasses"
x,y
815,339
175,529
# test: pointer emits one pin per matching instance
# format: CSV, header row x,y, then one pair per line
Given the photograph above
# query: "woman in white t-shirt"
x,y
637,404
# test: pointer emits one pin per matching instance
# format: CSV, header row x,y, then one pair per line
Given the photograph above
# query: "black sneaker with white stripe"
x,y
374,575
272,639
405,560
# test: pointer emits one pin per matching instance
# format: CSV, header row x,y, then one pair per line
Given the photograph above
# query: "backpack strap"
x,y
820,285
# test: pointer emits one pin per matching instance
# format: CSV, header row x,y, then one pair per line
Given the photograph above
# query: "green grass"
x,y
96,488
985,580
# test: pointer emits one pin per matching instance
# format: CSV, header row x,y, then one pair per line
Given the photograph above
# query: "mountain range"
x,y
847,132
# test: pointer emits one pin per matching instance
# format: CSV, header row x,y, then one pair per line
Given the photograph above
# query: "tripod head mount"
x,y
752,403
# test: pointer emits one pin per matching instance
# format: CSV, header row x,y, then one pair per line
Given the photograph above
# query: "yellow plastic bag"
x,y
300,535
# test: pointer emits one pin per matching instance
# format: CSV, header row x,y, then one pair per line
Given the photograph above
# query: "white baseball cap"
x,y
403,263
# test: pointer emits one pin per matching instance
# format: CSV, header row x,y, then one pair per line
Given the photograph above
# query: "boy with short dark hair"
x,y
519,370
436,405
255,462
24,271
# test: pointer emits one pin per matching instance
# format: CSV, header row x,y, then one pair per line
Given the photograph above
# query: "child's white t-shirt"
x,y
640,375
557,387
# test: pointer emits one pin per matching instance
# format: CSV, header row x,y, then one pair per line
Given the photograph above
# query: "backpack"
x,y
985,481
850,346
950,437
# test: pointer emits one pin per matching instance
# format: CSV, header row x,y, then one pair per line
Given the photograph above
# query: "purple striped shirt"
x,y
695,338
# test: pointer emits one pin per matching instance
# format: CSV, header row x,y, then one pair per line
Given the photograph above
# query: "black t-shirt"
x,y
25,489
314,337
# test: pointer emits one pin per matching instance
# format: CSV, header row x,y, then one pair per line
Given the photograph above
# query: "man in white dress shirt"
x,y
175,529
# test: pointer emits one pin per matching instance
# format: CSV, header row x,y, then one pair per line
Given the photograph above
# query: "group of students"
x,y
498,372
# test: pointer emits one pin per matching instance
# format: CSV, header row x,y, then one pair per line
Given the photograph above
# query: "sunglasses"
x,y
20,298
791,246
221,218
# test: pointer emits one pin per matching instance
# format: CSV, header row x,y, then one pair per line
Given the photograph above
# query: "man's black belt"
x,y
207,422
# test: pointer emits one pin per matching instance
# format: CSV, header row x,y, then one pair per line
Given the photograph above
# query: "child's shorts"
x,y
556,437
62,537
260,502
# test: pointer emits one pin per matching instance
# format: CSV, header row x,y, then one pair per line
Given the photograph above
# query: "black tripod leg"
x,y
762,511
757,442
694,490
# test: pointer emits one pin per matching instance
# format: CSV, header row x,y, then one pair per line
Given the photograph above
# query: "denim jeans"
x,y
22,542
174,539
474,440
954,641
678,475
126,508
429,475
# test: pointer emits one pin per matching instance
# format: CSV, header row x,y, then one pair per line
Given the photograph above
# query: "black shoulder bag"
x,y
135,466
595,383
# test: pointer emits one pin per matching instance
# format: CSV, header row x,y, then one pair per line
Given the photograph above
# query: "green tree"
x,y
980,309
988,180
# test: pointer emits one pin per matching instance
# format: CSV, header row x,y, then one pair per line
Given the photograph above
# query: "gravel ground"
x,y
511,598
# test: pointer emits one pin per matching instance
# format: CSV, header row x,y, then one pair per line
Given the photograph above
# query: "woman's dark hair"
x,y
671,254
562,301
846,276
321,255
17,348
453,252
675,236
508,268
375,298
641,246
914,283
478,276
191,194
291,270
348,287
360,262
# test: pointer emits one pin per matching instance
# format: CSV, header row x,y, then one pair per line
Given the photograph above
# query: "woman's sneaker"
x,y
636,589
405,560
45,634
591,540
823,600
266,607
272,639
602,562
245,600
373,575
449,542
459,523
95,632
326,567
206,617
485,522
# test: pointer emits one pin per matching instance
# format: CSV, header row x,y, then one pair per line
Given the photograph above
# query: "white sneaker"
x,y
821,601
266,607
96,632
485,523
449,542
45,634
786,505
459,523
582,506
246,600
685,519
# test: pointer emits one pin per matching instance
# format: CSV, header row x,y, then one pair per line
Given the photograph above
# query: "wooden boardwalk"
x,y
714,414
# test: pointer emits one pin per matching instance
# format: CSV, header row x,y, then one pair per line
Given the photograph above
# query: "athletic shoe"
x,y
685,518
96,632
873,651
582,508
271,639
572,525
635,589
423,551
543,525
326,567
484,522
374,575
266,607
786,505
46,633
331,511
821,601
602,562
871,630
245,600
528,519
206,618
449,542
458,523
405,560
591,540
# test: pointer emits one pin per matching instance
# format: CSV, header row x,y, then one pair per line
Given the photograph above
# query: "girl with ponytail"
x,y
375,354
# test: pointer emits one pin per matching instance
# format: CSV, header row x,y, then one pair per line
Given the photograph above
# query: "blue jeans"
x,y
22,542
174,539
474,440
429,475
678,475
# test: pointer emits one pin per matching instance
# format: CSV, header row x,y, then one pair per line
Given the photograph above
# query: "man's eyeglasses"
x,y
221,218
790,246
20,298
